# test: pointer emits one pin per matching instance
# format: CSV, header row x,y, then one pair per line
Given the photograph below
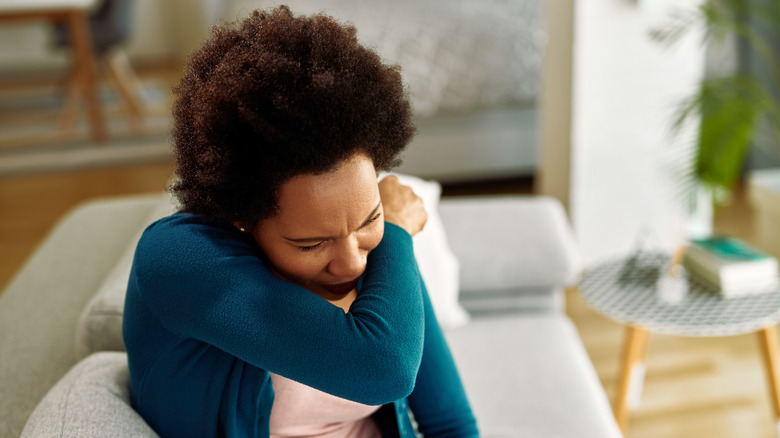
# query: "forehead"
x,y
347,190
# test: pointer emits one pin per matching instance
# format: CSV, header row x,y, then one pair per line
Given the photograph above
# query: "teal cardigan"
x,y
206,321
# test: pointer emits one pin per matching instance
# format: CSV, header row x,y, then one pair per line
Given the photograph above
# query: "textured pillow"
x,y
92,399
438,265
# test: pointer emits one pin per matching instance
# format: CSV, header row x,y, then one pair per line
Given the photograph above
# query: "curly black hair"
x,y
275,96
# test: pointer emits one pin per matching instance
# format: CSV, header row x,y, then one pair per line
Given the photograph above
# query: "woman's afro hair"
x,y
275,96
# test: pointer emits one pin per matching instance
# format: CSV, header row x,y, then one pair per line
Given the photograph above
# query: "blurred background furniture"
x,y
521,360
109,23
71,15
472,68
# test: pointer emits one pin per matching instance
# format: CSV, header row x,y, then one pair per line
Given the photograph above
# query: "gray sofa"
x,y
523,365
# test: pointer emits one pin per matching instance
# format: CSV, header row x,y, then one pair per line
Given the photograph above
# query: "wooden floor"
x,y
695,387
31,205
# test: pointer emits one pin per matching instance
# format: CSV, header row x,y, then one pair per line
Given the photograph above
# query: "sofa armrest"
x,y
511,242
40,308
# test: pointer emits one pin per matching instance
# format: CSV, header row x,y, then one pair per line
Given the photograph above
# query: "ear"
x,y
241,226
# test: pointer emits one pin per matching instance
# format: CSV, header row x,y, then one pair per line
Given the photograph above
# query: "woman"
x,y
284,299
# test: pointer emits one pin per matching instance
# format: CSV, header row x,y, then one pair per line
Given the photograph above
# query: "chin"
x,y
330,295
320,289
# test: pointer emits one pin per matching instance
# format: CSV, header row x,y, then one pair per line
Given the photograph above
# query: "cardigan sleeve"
x,y
208,282
439,401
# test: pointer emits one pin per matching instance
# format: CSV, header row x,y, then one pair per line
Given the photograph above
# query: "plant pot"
x,y
764,196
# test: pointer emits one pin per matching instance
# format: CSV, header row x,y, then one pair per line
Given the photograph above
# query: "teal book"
x,y
730,249
732,266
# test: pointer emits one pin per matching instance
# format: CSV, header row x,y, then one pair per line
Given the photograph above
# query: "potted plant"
x,y
731,107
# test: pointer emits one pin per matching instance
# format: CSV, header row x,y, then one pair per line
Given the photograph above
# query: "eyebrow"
x,y
319,239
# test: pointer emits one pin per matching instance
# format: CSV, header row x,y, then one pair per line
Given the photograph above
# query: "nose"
x,y
349,260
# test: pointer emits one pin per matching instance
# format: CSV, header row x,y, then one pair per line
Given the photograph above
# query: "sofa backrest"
x,y
515,252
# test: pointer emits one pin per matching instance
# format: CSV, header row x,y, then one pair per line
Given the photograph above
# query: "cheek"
x,y
373,236
300,264
305,265
290,262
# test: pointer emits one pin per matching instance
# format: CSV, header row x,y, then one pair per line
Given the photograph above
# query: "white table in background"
x,y
625,290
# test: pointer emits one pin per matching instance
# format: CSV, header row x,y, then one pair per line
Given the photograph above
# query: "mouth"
x,y
341,288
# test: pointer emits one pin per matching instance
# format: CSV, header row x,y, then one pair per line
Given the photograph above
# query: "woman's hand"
x,y
402,206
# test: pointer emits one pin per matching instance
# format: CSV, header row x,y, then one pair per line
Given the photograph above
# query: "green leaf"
x,y
730,109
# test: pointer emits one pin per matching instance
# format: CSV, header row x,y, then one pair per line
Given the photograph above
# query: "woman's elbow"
x,y
397,375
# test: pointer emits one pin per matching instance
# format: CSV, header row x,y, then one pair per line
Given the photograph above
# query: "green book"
x,y
731,265
730,249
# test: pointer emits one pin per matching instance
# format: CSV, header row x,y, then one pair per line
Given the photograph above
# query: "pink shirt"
x,y
302,411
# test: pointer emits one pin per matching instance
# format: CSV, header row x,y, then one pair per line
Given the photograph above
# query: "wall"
x,y
622,159
552,177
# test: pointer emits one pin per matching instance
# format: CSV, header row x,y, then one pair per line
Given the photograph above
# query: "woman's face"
x,y
326,226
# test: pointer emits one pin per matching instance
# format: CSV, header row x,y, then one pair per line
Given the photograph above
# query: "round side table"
x,y
626,291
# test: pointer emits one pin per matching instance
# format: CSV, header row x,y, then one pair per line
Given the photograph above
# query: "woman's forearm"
x,y
199,287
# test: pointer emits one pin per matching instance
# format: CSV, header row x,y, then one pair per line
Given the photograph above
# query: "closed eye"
x,y
311,247
372,220
368,222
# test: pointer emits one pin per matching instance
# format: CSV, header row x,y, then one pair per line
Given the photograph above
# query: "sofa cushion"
x,y
91,400
529,376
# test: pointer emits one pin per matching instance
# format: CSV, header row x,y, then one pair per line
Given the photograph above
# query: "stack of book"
x,y
731,266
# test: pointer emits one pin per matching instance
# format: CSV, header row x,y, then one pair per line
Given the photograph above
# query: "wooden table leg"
x,y
83,55
768,339
632,371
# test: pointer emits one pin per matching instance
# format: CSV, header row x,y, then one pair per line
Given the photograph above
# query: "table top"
x,y
27,6
626,291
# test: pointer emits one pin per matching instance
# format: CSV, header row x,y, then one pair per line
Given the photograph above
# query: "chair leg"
x,y
632,371
128,85
769,347
83,55
71,104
